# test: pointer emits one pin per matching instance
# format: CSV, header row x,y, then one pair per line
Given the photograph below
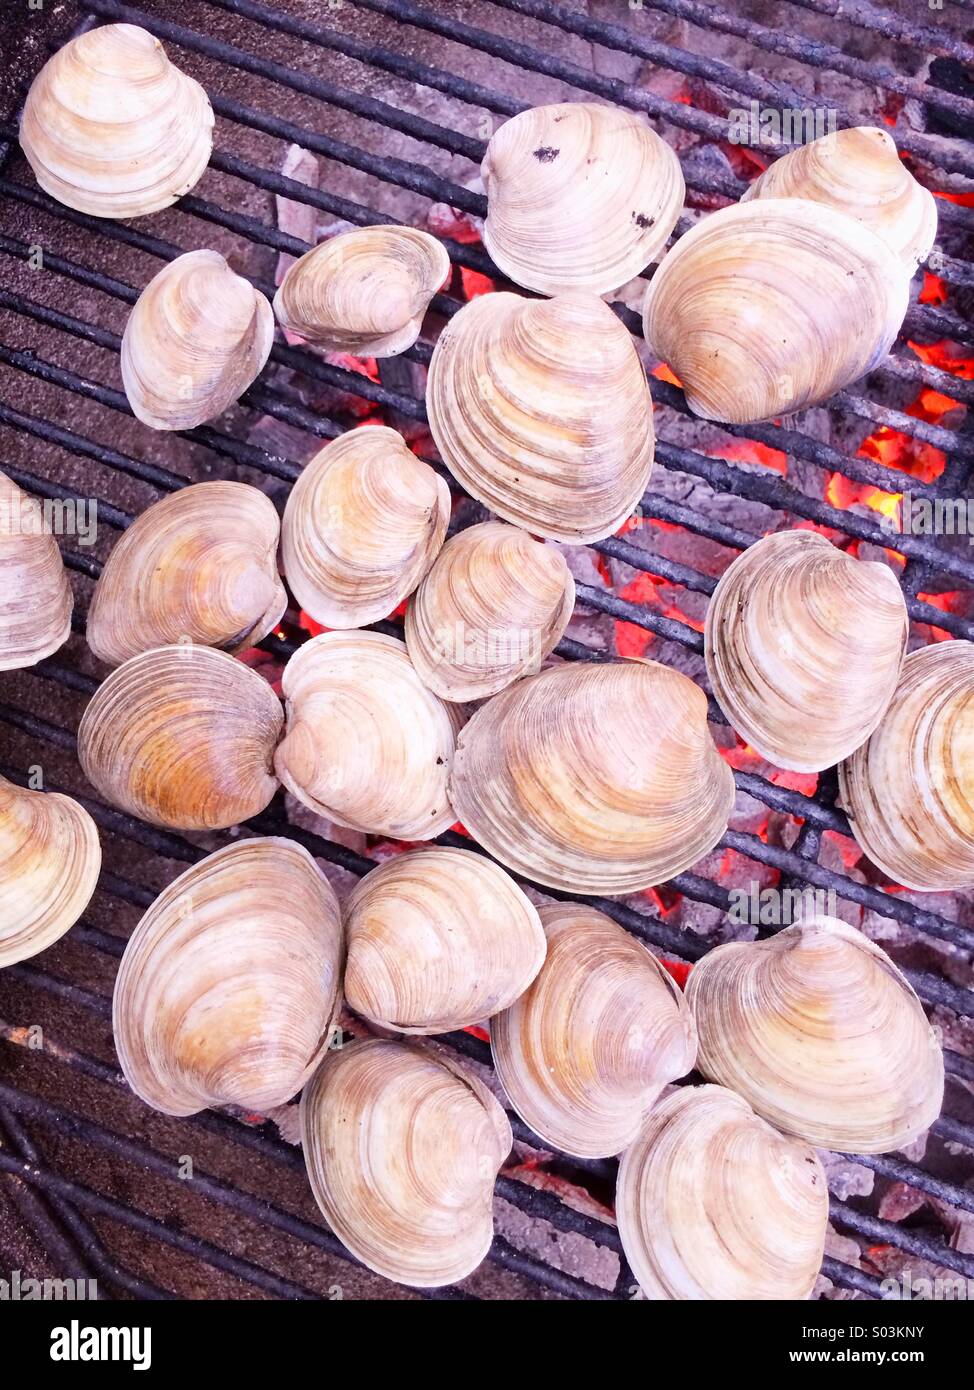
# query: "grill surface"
x,y
89,1189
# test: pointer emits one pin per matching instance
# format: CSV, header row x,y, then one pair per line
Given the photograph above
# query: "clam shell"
x,y
35,597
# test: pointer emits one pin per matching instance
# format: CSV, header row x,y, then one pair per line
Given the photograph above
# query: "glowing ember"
x,y
848,849
964,200
664,373
952,602
944,355
679,970
934,290
633,640
307,624
751,451
474,283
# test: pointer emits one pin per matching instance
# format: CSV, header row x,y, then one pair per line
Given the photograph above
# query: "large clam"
x,y
35,597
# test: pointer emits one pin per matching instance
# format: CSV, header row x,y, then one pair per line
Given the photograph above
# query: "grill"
x,y
92,1176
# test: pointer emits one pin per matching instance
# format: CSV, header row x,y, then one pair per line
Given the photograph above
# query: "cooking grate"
x,y
69,1215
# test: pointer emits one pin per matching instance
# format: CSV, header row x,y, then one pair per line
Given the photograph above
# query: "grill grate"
x,y
61,1209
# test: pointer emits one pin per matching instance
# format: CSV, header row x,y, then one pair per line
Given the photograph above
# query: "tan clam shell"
x,y
821,1033
713,1204
367,745
859,172
199,565
364,291
510,399
111,127
50,859
439,939
598,778
198,336
402,1149
184,737
803,646
579,197
231,983
362,526
493,606
584,1053
909,790
772,305
35,597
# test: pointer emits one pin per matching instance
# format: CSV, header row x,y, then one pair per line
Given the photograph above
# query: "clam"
x,y
50,859
439,939
584,1053
803,646
402,1148
35,597
111,127
540,409
367,745
579,197
772,305
184,737
713,1204
362,526
492,607
364,291
859,172
909,790
822,1035
197,337
597,778
200,565
230,985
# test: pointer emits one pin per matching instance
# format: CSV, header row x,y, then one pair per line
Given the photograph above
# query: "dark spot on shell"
x,y
546,153
642,220
440,762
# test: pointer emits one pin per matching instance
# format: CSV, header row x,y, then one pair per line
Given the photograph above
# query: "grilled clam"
x,y
584,1053
50,859
579,197
184,737
594,779
35,597
804,645
402,1149
362,526
111,127
712,1203
492,607
364,291
230,984
510,398
821,1033
772,305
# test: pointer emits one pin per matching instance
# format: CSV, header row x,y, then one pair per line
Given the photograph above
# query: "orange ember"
x,y
934,290
951,602
964,200
664,373
474,283
678,969
944,355
751,451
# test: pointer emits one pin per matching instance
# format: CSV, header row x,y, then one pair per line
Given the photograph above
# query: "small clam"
x,y
492,607
821,1033
184,737
584,1054
35,597
402,1148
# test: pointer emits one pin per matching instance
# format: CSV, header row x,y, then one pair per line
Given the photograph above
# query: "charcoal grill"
x,y
91,1191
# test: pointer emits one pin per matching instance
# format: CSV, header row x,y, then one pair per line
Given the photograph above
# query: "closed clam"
x,y
510,398
579,197
821,1033
111,127
362,526
713,1204
200,565
803,646
364,291
584,1053
594,779
35,597
772,305
231,983
402,1148
492,607
198,336
183,736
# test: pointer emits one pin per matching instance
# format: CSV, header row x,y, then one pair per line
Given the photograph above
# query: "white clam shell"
x,y
36,602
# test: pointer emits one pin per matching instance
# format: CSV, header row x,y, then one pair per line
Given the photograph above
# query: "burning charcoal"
x,y
847,1179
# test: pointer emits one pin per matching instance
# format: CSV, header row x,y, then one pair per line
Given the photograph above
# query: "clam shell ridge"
x,y
584,1053
35,596
822,1034
579,197
111,127
230,984
803,646
362,525
909,790
712,1203
594,779
402,1149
